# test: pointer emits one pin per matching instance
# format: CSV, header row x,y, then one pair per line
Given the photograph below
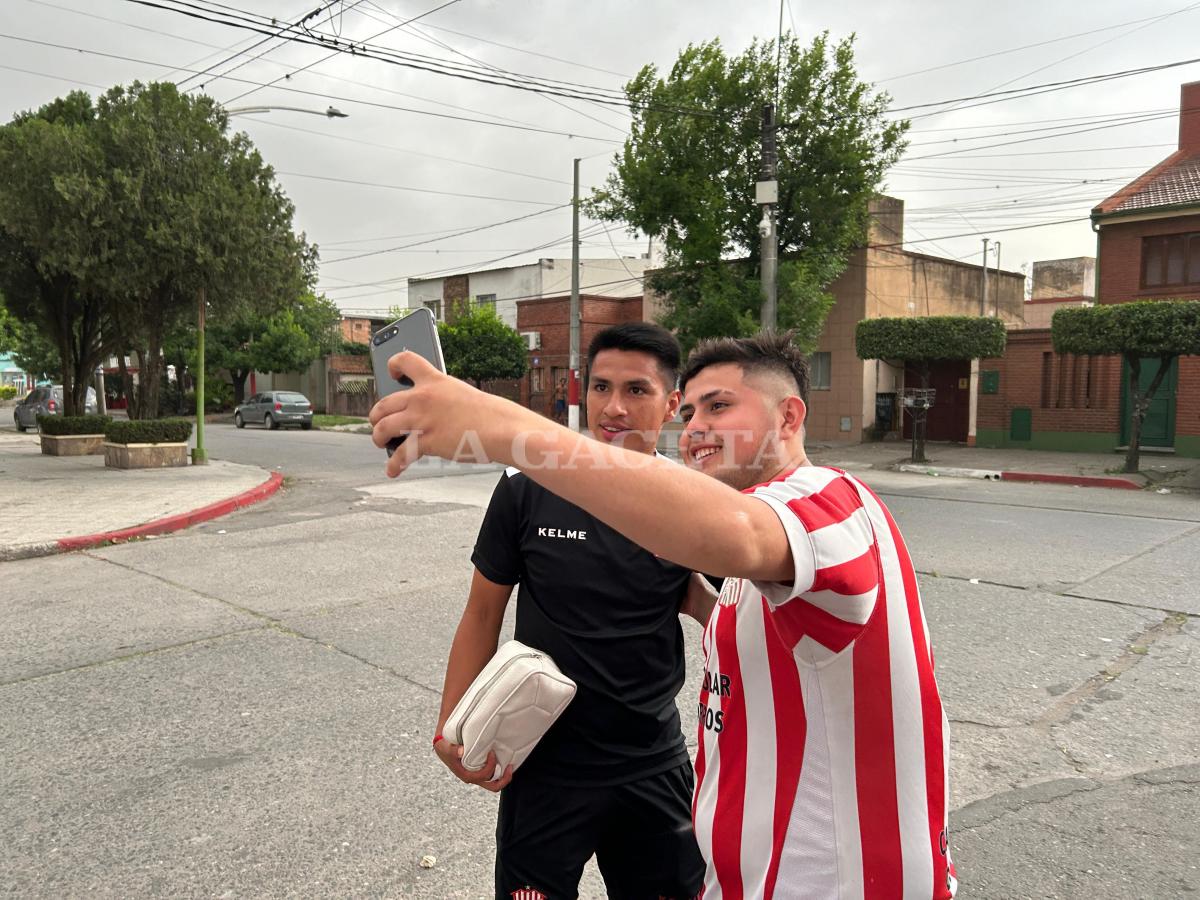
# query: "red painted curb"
x,y
177,522
1121,484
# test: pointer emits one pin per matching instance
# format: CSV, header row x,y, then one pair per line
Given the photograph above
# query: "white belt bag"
x,y
508,707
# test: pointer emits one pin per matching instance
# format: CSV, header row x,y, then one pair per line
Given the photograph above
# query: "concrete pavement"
x,y
56,503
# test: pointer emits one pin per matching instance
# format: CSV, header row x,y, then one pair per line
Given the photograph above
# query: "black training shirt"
x,y
607,612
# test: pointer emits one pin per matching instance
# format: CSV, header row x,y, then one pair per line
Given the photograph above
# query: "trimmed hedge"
x,y
7,391
148,431
1143,328
920,339
64,425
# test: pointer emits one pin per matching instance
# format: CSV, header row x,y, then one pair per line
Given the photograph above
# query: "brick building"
x,y
850,399
1148,248
546,322
358,329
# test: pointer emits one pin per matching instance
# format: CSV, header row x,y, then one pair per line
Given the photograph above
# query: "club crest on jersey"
x,y
731,592
528,893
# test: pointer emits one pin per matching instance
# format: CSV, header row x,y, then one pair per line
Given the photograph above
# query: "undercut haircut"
x,y
767,353
641,337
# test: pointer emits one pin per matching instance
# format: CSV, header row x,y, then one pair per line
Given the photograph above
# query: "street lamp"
x,y
331,112
200,453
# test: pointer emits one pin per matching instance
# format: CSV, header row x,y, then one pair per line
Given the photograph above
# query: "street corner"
x,y
84,504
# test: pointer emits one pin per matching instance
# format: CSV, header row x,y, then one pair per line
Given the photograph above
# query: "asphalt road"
x,y
248,713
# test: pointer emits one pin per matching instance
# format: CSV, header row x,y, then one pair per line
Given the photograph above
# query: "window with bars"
x,y
1070,382
1171,260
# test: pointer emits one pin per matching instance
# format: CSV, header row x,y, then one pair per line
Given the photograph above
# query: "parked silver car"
x,y
275,408
47,401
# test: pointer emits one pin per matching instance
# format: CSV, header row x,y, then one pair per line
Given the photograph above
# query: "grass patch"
x,y
323,421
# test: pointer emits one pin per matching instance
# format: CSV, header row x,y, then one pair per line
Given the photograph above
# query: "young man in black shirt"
x,y
612,776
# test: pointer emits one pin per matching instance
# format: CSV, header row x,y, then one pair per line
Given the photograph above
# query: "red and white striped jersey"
x,y
823,755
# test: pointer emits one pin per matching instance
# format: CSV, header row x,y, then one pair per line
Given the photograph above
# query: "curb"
x,y
1120,484
165,525
1097,481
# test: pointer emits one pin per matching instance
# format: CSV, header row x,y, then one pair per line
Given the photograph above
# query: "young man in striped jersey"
x,y
822,761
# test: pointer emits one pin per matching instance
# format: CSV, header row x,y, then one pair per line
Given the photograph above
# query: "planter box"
x,y
145,456
72,444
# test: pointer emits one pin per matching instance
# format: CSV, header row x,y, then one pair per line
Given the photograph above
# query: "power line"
x,y
559,59
417,61
287,27
445,237
962,150
401,187
1033,90
324,96
553,87
437,273
517,297
335,53
435,156
947,237
996,53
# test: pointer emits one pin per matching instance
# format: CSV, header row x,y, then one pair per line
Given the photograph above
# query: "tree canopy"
x,y
1158,329
1144,328
119,219
479,347
686,177
287,341
922,339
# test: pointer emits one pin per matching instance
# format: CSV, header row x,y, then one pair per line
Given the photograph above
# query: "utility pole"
x,y
983,299
199,453
766,194
573,387
997,248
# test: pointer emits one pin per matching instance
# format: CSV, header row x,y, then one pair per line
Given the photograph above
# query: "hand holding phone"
x,y
416,332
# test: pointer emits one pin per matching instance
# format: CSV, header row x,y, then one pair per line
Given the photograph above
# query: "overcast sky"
x,y
948,188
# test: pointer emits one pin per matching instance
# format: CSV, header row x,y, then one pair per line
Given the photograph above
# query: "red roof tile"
x,y
1173,182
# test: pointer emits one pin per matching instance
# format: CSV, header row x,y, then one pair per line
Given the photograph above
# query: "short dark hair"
x,y
641,337
767,351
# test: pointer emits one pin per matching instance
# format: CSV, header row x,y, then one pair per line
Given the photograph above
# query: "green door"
x,y
1158,428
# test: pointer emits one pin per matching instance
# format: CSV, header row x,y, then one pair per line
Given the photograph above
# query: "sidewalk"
x,y
58,503
1158,471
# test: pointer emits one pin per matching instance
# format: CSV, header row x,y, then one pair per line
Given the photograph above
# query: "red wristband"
x,y
437,737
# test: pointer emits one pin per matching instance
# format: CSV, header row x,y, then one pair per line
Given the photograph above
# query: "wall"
x,y
550,317
844,399
1058,278
1071,409
1121,259
510,286
545,278
601,277
1040,312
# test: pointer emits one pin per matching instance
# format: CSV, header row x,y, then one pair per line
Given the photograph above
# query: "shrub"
x,y
62,425
7,391
924,338
148,431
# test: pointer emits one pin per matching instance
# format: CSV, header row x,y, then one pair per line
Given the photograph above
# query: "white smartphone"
x,y
416,332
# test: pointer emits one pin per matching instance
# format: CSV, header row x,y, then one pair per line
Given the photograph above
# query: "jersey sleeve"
x,y
497,553
835,555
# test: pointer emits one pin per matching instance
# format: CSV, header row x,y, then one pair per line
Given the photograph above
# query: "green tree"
x,y
55,237
479,347
287,341
211,230
1145,330
686,177
29,349
921,341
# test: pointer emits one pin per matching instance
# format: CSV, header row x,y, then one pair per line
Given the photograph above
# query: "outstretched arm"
x,y
678,514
